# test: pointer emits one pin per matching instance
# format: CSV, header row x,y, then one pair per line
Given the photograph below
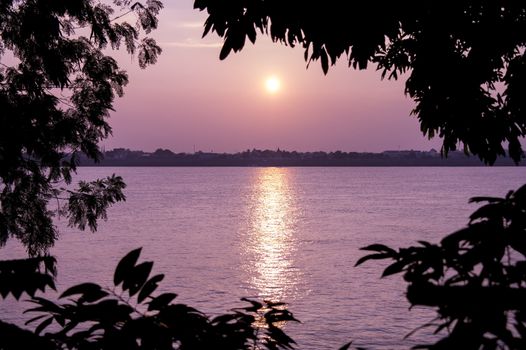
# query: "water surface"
x,y
290,234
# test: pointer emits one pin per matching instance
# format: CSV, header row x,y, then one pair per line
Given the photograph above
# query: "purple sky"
x,y
190,98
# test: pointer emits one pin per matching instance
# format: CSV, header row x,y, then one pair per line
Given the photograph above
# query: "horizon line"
x,y
272,150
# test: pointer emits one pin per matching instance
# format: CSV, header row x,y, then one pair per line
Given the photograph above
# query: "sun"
x,y
272,84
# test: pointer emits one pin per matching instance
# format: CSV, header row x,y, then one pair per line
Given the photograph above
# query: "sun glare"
x,y
272,85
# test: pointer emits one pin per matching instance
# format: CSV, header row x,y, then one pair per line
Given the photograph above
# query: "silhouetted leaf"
x,y
454,239
90,291
35,319
520,193
394,268
149,287
251,33
139,276
280,337
372,257
324,61
208,25
134,282
43,325
255,305
225,50
425,244
161,301
346,346
485,199
271,303
45,305
379,248
487,211
125,266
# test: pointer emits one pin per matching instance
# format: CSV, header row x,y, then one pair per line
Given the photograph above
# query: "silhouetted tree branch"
x,y
130,316
475,277
41,130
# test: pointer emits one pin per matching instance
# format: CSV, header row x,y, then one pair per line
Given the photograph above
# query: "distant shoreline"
x,y
300,166
121,157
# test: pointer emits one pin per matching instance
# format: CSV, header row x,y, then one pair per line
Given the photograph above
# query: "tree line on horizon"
x,y
278,157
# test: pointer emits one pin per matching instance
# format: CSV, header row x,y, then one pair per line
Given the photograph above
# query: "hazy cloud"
x,y
190,43
194,24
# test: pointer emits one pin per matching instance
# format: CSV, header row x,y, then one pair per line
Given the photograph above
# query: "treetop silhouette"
x,y
464,60
57,87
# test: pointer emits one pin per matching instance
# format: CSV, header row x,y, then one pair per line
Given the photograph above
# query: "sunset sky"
x,y
190,98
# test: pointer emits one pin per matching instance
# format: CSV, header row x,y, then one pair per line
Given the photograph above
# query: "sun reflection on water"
x,y
271,241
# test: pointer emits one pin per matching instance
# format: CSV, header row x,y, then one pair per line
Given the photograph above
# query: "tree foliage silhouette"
x,y
465,60
475,277
130,316
57,87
